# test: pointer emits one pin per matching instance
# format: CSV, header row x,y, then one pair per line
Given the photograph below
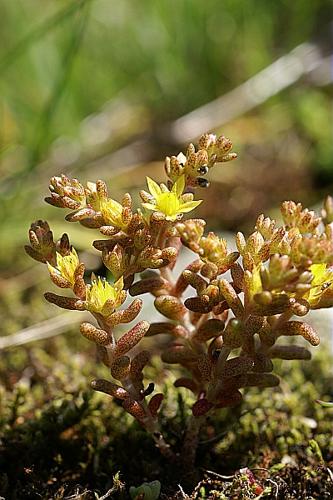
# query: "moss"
x,y
58,438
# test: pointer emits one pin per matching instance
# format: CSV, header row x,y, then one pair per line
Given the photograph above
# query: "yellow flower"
x,y
170,203
104,298
112,213
66,267
322,280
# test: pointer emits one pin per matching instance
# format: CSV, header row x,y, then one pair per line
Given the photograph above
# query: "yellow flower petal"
x,y
66,266
190,205
320,272
170,203
153,187
112,213
322,279
179,186
100,292
150,206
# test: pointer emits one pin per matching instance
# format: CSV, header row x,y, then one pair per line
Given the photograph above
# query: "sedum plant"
x,y
225,333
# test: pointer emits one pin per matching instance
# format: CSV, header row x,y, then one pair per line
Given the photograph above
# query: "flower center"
x,y
168,203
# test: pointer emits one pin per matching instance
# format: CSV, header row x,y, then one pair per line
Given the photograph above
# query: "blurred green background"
x,y
105,89
89,87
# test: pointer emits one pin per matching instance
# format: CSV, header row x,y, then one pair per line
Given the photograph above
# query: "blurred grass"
x,y
80,79
172,56
162,59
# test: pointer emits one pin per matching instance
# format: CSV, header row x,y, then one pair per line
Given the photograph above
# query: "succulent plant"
x,y
226,334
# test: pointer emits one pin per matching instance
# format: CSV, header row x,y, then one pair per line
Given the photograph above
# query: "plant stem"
x,y
191,442
283,318
151,424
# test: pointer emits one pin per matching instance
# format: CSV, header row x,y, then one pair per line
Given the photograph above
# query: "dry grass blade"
x,y
44,330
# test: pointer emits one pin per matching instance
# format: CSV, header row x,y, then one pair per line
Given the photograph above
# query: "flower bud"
x,y
66,192
63,245
42,247
210,270
142,238
169,254
265,226
240,242
115,260
191,232
254,243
